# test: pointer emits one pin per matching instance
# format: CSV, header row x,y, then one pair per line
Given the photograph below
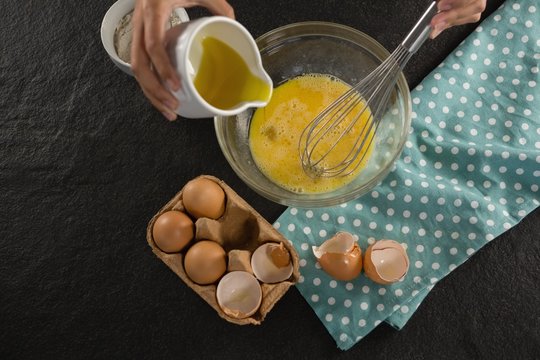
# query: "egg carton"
x,y
239,228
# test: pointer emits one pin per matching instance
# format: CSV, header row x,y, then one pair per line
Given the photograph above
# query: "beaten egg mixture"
x,y
275,132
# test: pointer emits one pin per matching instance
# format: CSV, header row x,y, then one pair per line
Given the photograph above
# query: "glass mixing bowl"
x,y
324,48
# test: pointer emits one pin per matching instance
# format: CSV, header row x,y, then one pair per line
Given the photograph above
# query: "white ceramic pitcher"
x,y
184,45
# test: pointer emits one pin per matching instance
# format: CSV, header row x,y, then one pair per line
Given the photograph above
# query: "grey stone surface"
x,y
85,161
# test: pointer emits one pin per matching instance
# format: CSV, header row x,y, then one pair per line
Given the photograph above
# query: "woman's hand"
x,y
149,60
456,12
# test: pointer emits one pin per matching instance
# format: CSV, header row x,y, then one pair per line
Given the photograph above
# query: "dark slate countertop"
x,y
85,162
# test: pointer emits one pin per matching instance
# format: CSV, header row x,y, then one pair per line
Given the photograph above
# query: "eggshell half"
x,y
263,264
239,294
340,257
386,262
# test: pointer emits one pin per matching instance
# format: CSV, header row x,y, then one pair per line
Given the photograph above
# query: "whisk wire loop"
x,y
357,113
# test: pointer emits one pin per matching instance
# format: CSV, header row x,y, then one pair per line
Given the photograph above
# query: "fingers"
x,y
152,88
149,59
456,12
155,18
160,98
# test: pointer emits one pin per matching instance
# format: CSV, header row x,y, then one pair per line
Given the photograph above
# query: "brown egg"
x,y
340,256
172,231
205,262
204,198
386,262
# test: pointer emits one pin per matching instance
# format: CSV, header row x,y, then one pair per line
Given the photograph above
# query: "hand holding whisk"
x,y
345,130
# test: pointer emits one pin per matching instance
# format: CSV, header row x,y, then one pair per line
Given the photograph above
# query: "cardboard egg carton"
x,y
240,228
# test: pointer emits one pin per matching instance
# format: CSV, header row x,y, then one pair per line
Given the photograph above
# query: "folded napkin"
x,y
470,170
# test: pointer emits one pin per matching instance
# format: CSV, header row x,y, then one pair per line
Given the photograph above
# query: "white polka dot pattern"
x,y
470,170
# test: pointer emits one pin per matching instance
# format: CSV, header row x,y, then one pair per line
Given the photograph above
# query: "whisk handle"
x,y
420,32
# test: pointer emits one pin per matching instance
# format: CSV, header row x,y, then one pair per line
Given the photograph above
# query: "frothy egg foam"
x,y
275,132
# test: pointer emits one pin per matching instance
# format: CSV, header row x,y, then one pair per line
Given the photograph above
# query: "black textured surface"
x,y
85,162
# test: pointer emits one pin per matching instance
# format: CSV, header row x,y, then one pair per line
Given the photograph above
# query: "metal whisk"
x,y
364,104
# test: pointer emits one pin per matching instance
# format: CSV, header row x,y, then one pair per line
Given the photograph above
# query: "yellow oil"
x,y
275,132
224,79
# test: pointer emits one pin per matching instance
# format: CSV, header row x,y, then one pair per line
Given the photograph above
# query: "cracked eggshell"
x,y
239,294
271,263
340,256
386,262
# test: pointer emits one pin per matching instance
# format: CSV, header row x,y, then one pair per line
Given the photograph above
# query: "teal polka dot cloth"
x,y
470,170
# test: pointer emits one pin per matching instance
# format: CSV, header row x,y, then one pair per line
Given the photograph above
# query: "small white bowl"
x,y
108,27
